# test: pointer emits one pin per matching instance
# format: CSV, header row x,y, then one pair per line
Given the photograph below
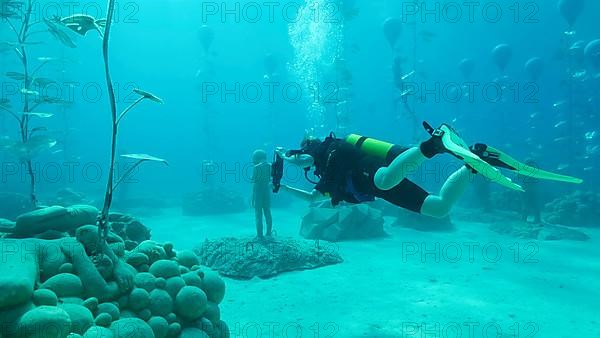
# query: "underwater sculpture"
x,y
466,67
592,54
570,11
82,24
53,288
343,223
206,36
534,68
261,193
33,139
502,54
392,28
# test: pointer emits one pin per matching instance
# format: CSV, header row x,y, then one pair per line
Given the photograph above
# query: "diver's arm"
x,y
310,196
301,160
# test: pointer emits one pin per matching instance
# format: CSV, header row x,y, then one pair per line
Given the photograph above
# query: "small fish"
x,y
560,124
29,92
591,150
578,75
407,92
47,59
406,76
561,139
578,45
559,104
562,166
588,168
590,135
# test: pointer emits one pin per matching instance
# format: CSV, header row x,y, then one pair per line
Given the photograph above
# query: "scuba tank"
x,y
370,146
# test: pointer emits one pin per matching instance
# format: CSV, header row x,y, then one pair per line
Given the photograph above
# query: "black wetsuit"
x,y
346,174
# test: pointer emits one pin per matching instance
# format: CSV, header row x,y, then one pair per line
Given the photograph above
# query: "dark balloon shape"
x,y
207,36
534,68
466,67
592,54
571,9
502,55
392,28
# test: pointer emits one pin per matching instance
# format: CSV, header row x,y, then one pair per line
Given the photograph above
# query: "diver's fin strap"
x,y
491,157
500,159
457,147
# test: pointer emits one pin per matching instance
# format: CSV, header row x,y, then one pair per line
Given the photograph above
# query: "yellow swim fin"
x,y
459,148
500,159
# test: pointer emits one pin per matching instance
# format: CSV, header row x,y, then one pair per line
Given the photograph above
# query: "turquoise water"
x,y
197,86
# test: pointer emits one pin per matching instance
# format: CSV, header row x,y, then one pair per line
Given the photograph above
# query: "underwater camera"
x,y
277,172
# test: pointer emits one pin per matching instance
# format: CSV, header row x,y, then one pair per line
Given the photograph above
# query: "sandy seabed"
x,y
471,282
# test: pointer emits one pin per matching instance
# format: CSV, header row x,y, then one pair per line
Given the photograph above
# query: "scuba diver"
x,y
359,169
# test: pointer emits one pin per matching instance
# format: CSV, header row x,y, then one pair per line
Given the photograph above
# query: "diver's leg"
x,y
407,162
258,218
404,164
268,220
453,189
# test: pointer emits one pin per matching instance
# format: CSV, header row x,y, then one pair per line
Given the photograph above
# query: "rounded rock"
x,y
55,320
187,258
127,314
91,303
223,330
171,318
103,319
159,326
139,299
213,286
174,329
131,328
145,280
164,268
192,332
192,279
98,332
81,317
144,315
161,304
66,268
137,259
213,313
44,297
111,309
173,285
190,303
64,285
161,283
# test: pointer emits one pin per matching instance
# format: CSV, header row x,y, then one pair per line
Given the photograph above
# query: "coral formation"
x,y
244,258
58,288
580,209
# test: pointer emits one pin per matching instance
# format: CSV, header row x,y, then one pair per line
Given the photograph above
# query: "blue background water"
x,y
156,46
